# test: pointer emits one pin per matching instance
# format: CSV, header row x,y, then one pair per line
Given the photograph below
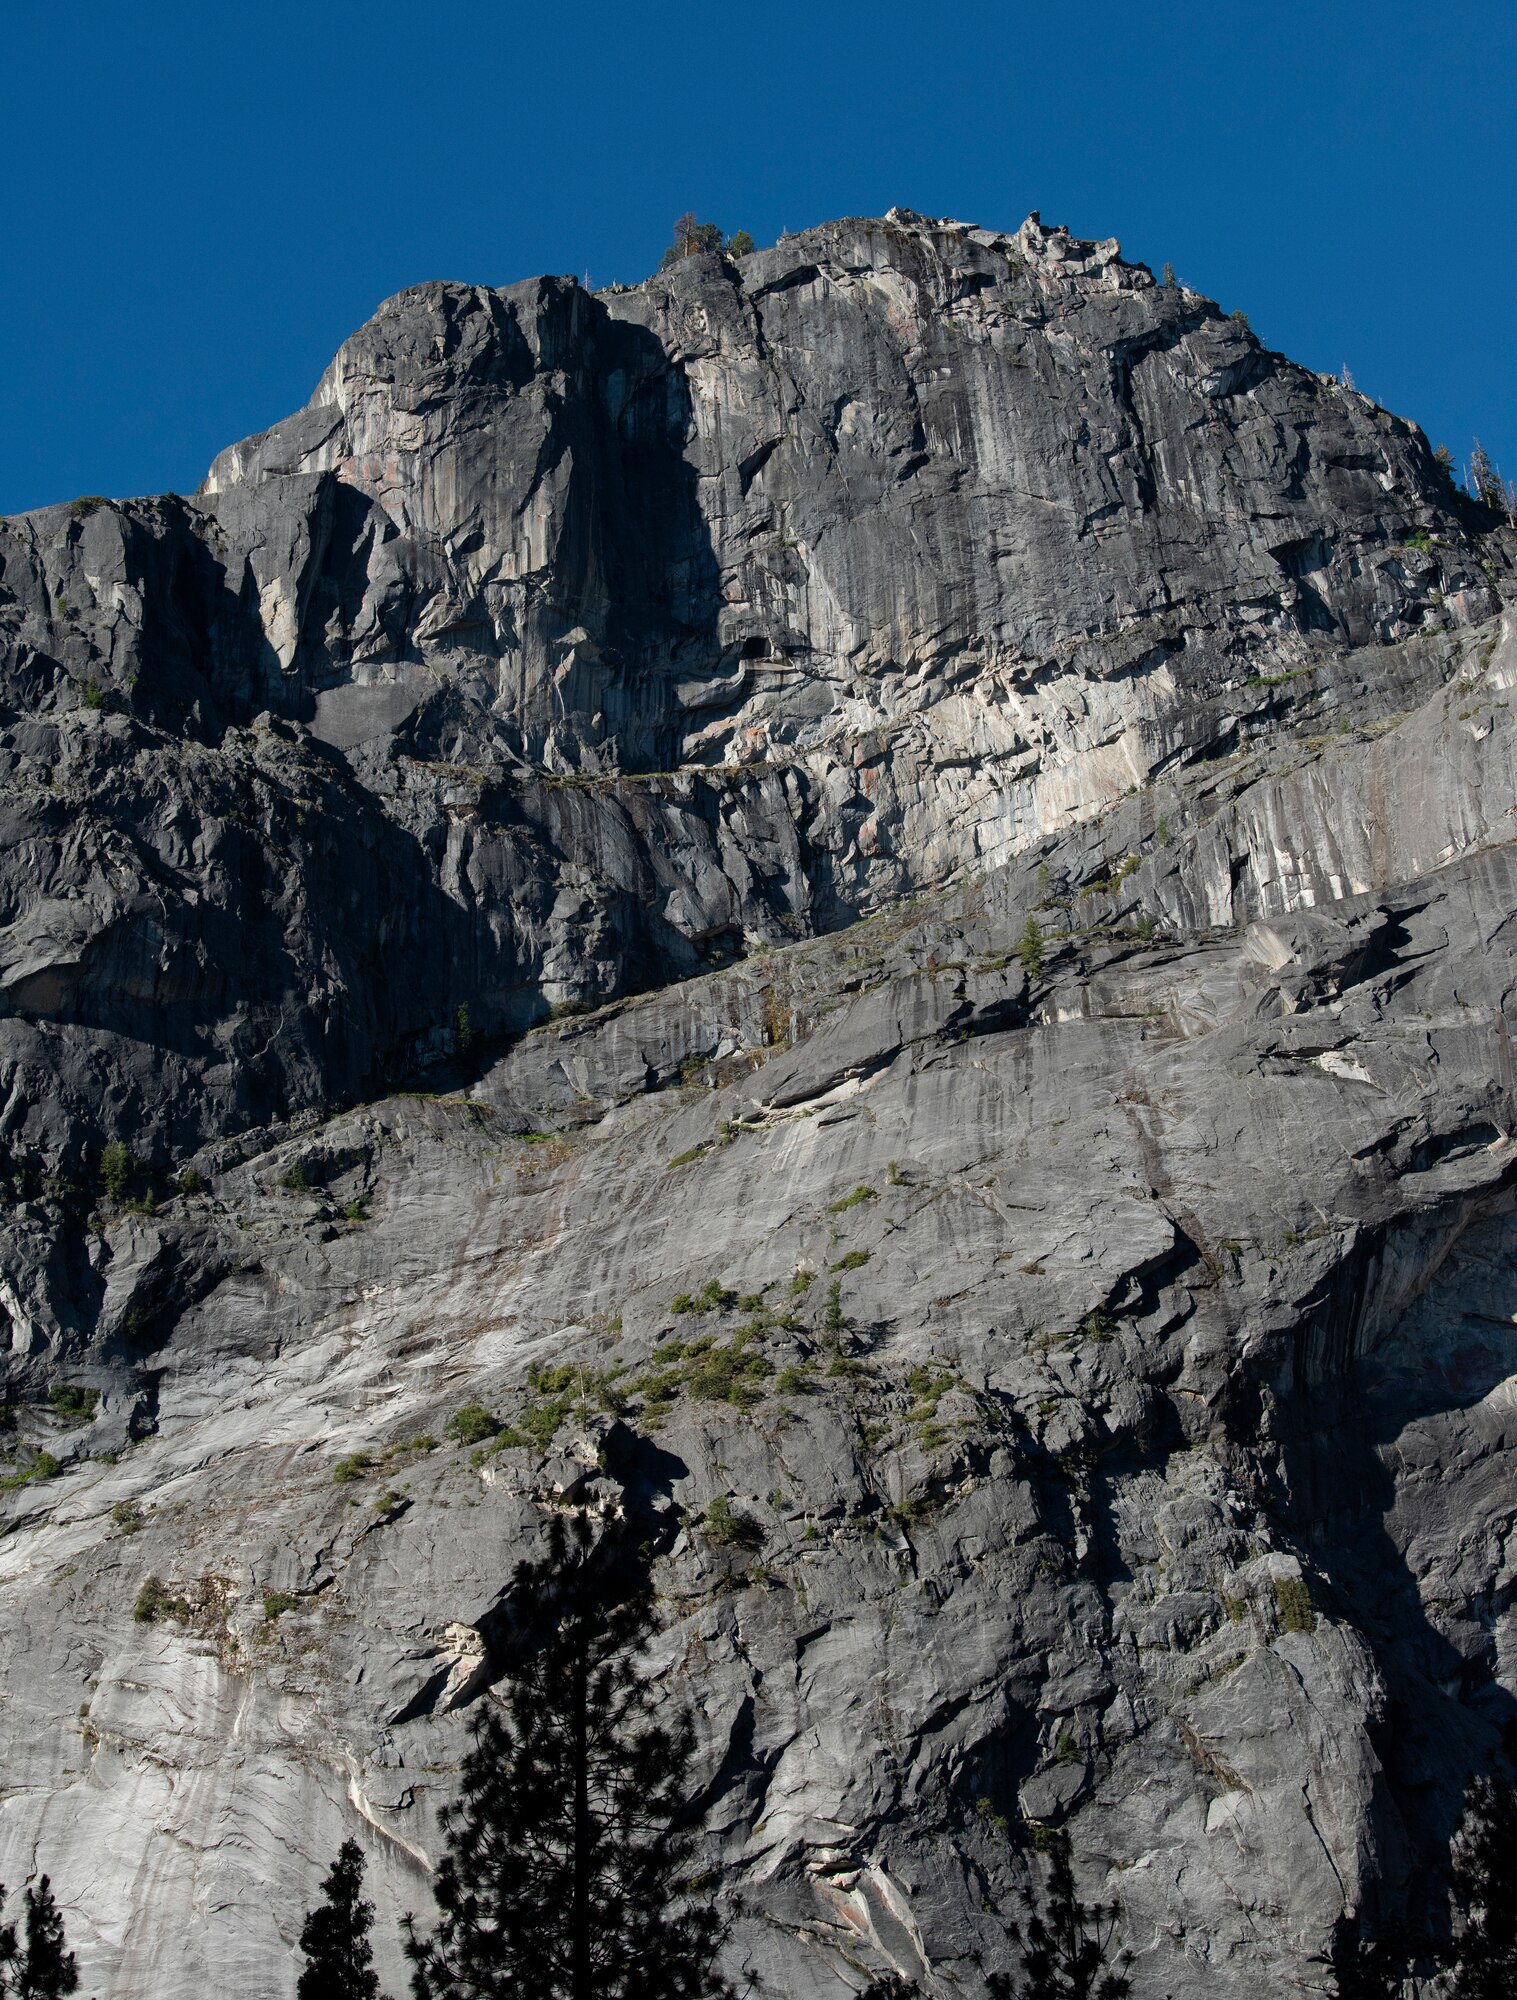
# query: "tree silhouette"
x,y
43,1968
1065,1944
565,1875
1371,1965
335,1940
1483,1873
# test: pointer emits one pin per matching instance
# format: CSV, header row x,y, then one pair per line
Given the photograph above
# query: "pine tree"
x,y
1485,483
1030,950
1065,1945
1483,1872
335,1940
10,1951
568,1847
43,1968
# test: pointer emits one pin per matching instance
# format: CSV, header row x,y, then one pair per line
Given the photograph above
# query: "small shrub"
x,y
729,1529
739,244
94,694
73,1403
355,1211
117,1168
691,1153
1240,318
1099,1326
43,1466
1295,1602
86,504
463,1034
276,1603
127,1517
353,1467
860,1195
1161,833
853,1260
411,1447
801,1283
729,1374
1066,1750
792,1381
712,1297
1236,1608
295,1180
155,1600
189,1181
472,1424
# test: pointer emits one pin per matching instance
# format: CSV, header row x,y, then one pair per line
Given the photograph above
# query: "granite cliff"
x,y
534,865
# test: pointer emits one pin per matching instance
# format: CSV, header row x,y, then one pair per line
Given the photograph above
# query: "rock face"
x,y
639,729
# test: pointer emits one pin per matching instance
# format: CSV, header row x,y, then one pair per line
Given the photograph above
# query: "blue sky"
x,y
204,199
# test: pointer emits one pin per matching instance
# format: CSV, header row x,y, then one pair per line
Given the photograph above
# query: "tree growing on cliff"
x,y
565,1876
1030,950
691,237
339,1960
1485,481
43,1968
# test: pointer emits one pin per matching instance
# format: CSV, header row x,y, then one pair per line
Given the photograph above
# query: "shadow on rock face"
x,y
1414,1386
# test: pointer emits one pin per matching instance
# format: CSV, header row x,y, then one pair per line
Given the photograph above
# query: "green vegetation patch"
x,y
860,1195
155,1600
43,1466
74,1404
723,1525
1294,1599
556,1394
471,1425
733,1371
713,1297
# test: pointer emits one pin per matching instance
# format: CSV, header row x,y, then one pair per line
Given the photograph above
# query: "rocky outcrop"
x,y
542,848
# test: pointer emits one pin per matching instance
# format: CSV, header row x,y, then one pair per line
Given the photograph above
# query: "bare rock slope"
x,y
535,862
